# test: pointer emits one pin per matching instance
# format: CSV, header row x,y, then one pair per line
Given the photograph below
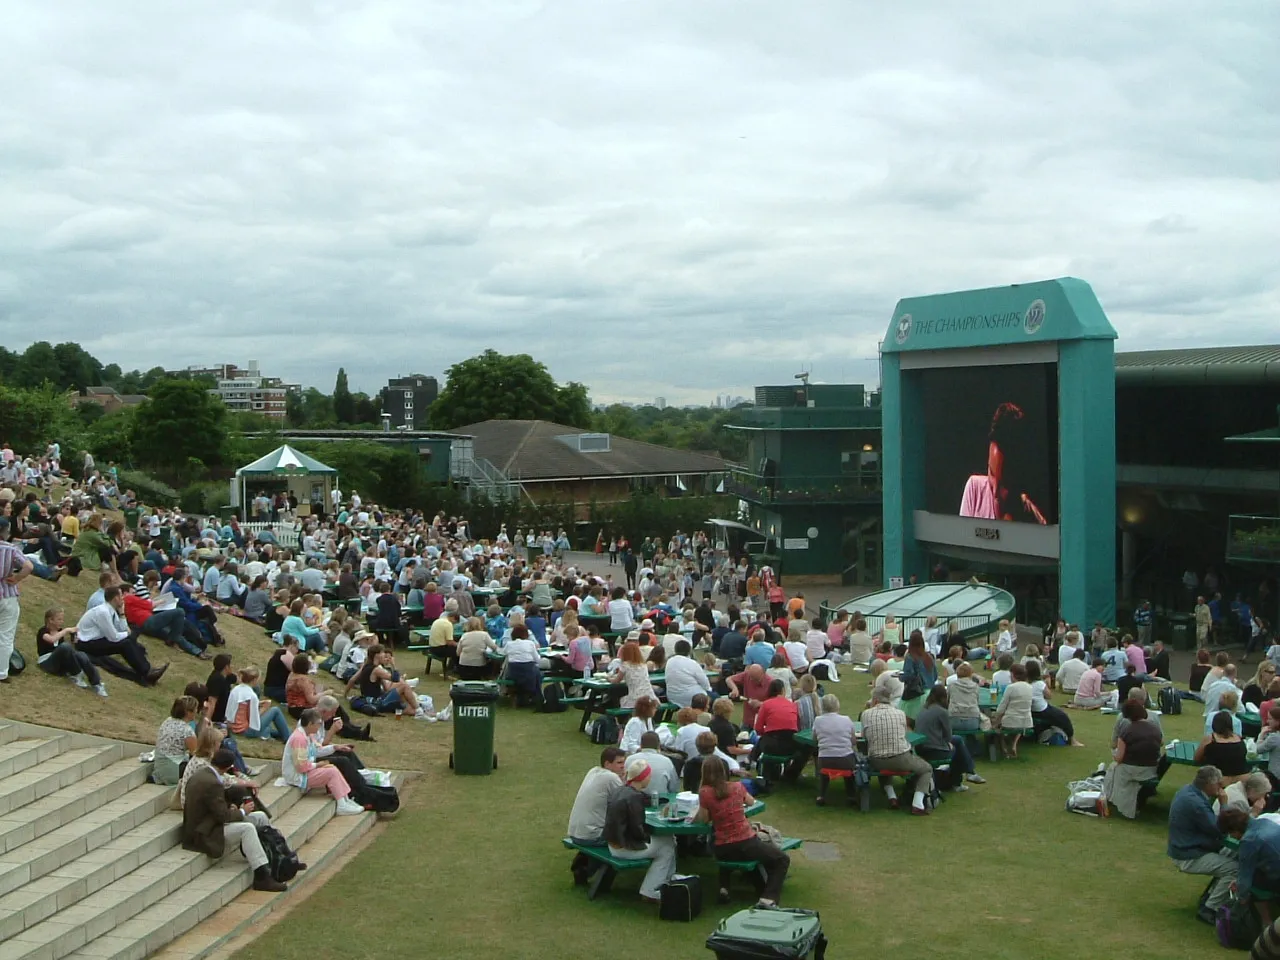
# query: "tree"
x,y
77,368
154,376
295,413
317,409
368,410
344,405
111,374
39,365
494,386
179,428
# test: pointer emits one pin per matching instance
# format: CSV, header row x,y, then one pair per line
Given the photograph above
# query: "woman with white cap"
x,y
628,837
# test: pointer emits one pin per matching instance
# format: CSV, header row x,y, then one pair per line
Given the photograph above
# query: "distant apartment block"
x,y
406,399
245,389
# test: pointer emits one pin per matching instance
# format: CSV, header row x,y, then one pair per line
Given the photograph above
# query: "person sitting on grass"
x,y
103,632
381,687
722,803
1014,711
57,654
628,836
278,669
175,742
300,768
1089,692
1195,840
837,742
885,728
294,626
1224,748
209,822
245,714
1258,857
1136,761
934,723
1070,673
1044,714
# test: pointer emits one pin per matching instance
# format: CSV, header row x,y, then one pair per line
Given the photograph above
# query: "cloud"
x,y
653,198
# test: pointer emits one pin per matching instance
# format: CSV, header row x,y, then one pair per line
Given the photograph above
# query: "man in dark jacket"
x,y
628,836
209,821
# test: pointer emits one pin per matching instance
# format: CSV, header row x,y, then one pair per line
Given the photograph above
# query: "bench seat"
x,y
601,878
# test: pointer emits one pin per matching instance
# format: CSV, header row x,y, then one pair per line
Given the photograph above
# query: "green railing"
x,y
1253,539
813,488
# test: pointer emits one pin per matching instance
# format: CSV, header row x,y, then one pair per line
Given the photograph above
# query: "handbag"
x,y
680,898
17,663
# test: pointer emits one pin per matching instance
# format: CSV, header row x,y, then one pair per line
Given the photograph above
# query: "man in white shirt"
x,y
335,497
355,501
103,632
1213,692
1069,674
685,676
586,819
663,780
686,740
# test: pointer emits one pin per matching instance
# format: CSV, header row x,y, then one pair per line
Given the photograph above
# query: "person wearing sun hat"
x,y
627,835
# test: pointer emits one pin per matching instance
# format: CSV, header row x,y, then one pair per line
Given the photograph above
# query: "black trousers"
x,y
67,661
775,863
129,649
348,730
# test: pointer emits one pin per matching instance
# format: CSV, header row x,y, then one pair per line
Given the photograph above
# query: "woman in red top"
x,y
724,803
777,722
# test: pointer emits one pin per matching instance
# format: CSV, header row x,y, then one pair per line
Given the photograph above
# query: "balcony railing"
x,y
1253,539
816,488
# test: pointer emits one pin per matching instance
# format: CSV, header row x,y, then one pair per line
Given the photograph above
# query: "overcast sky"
x,y
658,199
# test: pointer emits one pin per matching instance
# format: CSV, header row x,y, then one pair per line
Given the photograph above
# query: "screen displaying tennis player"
x,y
991,434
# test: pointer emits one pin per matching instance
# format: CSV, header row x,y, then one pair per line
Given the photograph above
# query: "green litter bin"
x,y
131,515
474,709
773,932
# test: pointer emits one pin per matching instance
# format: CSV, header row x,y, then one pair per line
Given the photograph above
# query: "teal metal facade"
x,y
1062,313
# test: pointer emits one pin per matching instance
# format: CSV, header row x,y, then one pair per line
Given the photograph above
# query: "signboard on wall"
x,y
795,543
895,583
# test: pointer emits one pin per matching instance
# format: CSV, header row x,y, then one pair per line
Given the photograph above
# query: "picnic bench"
x,y
606,867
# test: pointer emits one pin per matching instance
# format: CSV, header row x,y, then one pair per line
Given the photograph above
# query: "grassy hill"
x,y
473,866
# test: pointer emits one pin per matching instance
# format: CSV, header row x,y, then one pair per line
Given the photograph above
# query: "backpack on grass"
x,y
552,701
604,730
1168,701
1238,925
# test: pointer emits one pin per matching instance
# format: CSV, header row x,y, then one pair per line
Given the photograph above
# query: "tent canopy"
x,y
285,461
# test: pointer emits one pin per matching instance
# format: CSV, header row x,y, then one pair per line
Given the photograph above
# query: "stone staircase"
x,y
90,859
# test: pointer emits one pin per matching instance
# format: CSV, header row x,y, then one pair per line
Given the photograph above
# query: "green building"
x,y
812,481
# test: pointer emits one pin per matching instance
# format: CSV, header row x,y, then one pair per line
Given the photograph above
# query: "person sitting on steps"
x,y
209,822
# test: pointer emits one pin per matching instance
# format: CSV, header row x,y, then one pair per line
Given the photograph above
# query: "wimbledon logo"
x,y
1033,319
904,328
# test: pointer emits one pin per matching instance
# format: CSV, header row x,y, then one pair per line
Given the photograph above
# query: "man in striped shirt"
x,y
14,568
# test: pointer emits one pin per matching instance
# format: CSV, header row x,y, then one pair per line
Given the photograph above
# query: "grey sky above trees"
x,y
653,198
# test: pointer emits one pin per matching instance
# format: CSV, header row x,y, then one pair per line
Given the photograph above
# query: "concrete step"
x,y
79,801
22,754
91,895
8,732
41,856
49,775
170,918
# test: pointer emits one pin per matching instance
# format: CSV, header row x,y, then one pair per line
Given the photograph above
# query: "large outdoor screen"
x,y
991,436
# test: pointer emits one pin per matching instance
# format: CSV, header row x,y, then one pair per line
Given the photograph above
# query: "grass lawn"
x,y
473,867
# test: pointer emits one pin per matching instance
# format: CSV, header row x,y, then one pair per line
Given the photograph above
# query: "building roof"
x,y
100,392
530,451
1203,365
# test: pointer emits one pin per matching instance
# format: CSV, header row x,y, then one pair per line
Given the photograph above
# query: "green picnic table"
x,y
1184,752
683,826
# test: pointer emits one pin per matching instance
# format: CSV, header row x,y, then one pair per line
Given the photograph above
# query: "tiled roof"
x,y
1199,355
528,450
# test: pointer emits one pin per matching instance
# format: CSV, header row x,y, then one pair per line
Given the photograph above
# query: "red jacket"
x,y
775,714
136,609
